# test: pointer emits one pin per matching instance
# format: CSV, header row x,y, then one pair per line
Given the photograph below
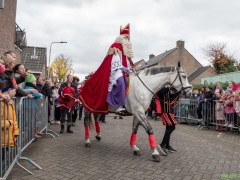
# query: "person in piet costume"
x,y
106,87
166,99
68,94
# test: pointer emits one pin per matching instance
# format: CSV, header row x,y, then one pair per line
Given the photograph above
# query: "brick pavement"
x,y
200,154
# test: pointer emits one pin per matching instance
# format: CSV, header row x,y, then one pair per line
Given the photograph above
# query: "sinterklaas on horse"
x,y
143,85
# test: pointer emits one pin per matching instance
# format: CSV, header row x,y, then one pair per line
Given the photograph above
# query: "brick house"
x,y
138,64
8,27
13,38
171,57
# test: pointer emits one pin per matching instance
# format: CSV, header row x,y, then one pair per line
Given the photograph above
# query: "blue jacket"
x,y
35,95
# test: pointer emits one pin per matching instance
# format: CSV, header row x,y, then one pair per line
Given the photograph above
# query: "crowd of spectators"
x,y
218,105
18,81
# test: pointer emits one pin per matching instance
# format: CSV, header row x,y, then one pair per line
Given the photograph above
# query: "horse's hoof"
x,y
156,157
98,138
136,153
87,144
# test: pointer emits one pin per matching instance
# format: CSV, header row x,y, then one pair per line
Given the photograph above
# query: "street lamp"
x,y
50,54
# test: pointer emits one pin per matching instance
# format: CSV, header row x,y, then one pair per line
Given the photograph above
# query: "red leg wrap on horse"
x,y
97,125
86,132
152,141
133,139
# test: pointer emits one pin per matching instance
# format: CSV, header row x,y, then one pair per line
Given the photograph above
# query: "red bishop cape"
x,y
94,92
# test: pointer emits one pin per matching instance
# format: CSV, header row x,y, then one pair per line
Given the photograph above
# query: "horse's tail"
x,y
91,123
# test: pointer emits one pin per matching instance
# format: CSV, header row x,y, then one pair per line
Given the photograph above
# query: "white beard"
x,y
127,46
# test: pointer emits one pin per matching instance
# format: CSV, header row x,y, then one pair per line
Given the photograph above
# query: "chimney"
x,y
151,56
180,44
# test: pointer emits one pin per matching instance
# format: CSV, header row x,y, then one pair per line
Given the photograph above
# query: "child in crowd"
x,y
30,82
228,100
219,110
9,125
57,112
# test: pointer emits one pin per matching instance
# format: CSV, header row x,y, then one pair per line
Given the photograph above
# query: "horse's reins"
x,y
145,85
178,75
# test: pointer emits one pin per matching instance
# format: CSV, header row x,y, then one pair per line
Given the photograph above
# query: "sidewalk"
x,y
200,154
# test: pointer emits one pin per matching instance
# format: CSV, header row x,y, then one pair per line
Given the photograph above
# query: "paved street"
x,y
201,154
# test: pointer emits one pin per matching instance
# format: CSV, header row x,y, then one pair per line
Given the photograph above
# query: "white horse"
x,y
143,85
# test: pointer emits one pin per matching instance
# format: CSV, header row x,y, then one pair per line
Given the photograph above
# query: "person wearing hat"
x,y
30,82
9,120
106,87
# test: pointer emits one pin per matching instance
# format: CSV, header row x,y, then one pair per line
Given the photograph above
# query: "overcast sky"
x,y
91,26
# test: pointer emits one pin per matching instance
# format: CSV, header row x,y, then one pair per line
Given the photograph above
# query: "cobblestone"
x,y
201,154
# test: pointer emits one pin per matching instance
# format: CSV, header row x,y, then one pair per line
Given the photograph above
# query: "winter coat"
x,y
209,97
200,98
11,129
228,102
9,76
47,92
35,96
39,87
219,111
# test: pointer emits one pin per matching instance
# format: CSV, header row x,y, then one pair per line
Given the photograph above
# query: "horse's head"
x,y
180,81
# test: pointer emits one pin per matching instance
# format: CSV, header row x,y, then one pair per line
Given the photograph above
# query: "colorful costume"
x,y
165,101
107,85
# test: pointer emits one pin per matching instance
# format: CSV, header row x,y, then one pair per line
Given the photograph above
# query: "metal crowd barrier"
x,y
186,111
51,118
32,116
189,110
8,153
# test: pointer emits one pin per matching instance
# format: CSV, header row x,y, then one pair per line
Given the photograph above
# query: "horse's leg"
x,y
86,126
144,122
97,126
134,137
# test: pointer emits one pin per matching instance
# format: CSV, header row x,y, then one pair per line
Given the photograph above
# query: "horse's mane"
x,y
158,69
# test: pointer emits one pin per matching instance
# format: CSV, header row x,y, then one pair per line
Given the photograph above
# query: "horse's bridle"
x,y
178,75
180,79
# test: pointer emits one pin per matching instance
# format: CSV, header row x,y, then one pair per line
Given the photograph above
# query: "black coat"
x,y
9,75
47,92
39,88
